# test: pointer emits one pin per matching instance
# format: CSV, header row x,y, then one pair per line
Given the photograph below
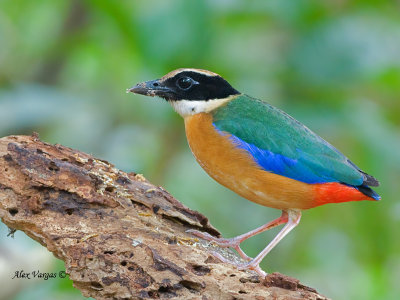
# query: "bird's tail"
x,y
366,190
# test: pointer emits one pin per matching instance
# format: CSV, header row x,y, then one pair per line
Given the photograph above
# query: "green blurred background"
x,y
333,65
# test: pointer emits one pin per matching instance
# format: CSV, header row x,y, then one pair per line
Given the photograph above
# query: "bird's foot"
x,y
240,266
253,266
222,242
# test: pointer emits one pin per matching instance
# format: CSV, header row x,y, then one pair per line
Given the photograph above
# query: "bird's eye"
x,y
184,83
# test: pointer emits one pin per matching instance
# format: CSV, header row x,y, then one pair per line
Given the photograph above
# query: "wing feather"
x,y
282,145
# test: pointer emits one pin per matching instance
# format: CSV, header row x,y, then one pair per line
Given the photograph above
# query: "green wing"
x,y
282,145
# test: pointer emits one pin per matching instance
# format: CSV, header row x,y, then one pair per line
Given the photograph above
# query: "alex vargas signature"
x,y
21,274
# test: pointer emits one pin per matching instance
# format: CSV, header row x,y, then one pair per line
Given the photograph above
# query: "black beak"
x,y
151,88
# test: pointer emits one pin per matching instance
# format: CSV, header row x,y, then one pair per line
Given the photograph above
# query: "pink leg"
x,y
236,241
294,219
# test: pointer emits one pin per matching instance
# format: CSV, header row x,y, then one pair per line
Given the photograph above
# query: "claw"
x,y
256,268
246,266
222,242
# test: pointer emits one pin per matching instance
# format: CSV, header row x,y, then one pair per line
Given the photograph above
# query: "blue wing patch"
x,y
278,163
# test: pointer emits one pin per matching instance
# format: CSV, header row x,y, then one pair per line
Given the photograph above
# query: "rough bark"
x,y
120,236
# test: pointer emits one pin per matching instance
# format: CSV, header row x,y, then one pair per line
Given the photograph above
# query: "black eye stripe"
x,y
190,85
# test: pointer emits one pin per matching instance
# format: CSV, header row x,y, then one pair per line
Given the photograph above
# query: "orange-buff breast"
x,y
235,169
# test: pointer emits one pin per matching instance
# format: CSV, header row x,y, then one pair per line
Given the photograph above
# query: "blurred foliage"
x,y
334,65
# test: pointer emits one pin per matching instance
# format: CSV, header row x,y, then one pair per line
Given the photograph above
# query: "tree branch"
x,y
120,236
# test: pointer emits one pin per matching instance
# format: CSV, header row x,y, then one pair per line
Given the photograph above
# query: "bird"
x,y
259,152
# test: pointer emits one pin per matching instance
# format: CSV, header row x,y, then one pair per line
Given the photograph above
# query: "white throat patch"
x,y
188,107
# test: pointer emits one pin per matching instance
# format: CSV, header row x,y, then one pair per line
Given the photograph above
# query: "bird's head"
x,y
190,91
